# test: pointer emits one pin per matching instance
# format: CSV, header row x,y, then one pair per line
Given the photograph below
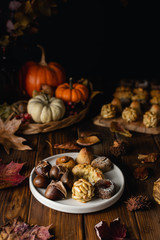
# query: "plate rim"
x,y
75,209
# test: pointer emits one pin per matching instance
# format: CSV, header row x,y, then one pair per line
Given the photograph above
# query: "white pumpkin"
x,y
44,109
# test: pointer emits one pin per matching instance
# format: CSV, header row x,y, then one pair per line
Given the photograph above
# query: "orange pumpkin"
x,y
32,75
74,93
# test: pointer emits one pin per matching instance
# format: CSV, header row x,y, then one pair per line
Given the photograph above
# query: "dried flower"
x,y
119,148
151,157
141,173
118,128
138,202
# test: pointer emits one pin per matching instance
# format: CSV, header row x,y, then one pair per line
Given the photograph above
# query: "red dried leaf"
x,y
116,230
102,230
9,174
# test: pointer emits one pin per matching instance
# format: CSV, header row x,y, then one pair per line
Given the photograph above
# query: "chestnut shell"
x,y
55,191
43,168
68,179
56,172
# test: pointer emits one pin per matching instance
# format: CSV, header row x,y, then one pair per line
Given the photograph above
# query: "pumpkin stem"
x,y
47,97
43,58
70,83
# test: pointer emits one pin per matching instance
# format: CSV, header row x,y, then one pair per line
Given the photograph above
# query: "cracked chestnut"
x,y
68,179
56,172
55,191
43,168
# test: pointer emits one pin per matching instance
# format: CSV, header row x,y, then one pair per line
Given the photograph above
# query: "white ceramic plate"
x,y
70,205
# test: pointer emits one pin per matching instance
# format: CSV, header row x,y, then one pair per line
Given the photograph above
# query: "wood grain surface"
x,y
141,225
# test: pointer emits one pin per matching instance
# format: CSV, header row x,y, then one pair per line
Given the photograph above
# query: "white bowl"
x,y
69,205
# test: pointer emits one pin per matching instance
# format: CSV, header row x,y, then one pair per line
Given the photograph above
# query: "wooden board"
x,y
137,126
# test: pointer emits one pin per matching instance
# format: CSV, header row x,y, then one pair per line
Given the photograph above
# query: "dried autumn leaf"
x,y
116,127
68,146
151,157
115,231
87,133
7,137
88,141
9,174
141,173
17,229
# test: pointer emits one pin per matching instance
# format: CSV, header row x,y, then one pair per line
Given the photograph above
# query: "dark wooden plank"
x,y
65,226
15,202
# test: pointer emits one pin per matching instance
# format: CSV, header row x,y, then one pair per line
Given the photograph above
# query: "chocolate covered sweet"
x,y
104,188
103,163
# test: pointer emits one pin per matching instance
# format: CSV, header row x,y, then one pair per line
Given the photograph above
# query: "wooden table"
x,y
19,201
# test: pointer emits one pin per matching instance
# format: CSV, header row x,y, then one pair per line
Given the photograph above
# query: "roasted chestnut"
x,y
43,168
55,191
68,179
56,172
41,181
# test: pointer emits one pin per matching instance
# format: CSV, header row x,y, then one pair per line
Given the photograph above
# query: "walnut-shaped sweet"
x,y
108,111
82,190
55,191
150,119
43,168
129,114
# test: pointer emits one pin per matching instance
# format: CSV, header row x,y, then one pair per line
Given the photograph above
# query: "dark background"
x,y
102,41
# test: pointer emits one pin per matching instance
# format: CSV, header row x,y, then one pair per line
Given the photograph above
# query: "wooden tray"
x,y
134,126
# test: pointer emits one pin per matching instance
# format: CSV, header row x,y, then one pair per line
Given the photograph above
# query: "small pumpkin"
x,y
44,109
32,75
69,92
